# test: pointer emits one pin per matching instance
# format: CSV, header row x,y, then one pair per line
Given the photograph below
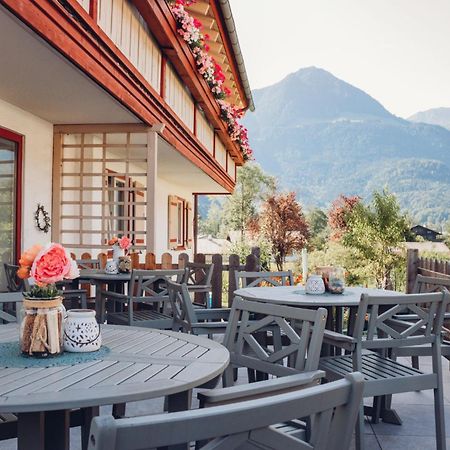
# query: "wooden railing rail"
x,y
423,266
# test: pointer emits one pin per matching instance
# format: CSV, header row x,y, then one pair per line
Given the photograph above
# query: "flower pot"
x,y
81,331
41,327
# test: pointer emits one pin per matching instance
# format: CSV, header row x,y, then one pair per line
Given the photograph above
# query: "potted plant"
x,y
120,247
42,313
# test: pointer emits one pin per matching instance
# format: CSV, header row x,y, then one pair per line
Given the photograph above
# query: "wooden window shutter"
x,y
173,223
188,225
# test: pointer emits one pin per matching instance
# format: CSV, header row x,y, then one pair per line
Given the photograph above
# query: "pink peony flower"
x,y
125,243
52,264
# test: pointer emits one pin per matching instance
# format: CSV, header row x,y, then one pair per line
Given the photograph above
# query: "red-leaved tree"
x,y
283,224
338,213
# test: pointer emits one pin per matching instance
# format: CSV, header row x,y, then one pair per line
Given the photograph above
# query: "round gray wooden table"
x,y
296,296
143,364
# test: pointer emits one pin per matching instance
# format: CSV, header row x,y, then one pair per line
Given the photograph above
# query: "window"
x,y
180,217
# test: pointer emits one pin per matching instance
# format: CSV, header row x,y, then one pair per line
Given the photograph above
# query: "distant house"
x,y
426,233
209,245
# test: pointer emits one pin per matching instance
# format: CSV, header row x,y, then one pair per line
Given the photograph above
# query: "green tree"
x,y
377,231
318,228
252,188
213,223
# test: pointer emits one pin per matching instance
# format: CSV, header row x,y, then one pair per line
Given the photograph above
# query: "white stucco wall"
x,y
37,167
165,188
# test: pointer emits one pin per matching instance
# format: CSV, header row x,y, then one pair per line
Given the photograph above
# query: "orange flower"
x,y
29,255
23,272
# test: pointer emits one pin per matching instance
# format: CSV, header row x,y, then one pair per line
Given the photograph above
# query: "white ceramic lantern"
x,y
81,331
315,285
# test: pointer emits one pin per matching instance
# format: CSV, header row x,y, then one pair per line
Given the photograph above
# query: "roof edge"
x,y
232,33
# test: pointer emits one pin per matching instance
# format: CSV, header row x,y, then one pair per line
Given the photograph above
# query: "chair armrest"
x,y
114,295
212,313
74,291
259,389
339,340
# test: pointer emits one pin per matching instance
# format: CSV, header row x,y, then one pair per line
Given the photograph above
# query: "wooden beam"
x,y
152,174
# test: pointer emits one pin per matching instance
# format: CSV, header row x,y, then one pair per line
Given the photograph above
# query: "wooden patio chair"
x,y
422,285
248,424
13,282
384,375
249,324
198,281
192,320
252,279
147,290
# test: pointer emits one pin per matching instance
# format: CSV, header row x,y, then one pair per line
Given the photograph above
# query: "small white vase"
x,y
81,331
315,285
117,253
111,267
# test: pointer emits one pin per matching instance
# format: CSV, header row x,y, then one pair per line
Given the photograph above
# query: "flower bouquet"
x,y
120,247
41,318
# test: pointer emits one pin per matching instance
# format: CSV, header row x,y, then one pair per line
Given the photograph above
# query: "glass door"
x,y
10,191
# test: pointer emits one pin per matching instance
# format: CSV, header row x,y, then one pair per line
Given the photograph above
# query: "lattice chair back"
x,y
274,339
252,279
13,282
382,332
245,424
151,285
183,312
198,274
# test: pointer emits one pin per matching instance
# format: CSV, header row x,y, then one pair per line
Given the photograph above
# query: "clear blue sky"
x,y
398,51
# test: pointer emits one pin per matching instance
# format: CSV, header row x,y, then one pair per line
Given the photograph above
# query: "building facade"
x,y
108,123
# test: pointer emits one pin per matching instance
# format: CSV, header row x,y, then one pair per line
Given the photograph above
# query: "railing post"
x,y
199,297
183,259
216,281
233,266
412,258
166,261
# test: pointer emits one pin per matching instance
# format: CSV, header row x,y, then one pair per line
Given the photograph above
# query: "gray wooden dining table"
x,y
141,364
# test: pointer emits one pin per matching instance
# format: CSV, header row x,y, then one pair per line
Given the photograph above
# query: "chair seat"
x,y
381,375
153,319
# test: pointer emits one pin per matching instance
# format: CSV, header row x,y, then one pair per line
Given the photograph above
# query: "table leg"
x,y
179,402
57,430
88,415
30,431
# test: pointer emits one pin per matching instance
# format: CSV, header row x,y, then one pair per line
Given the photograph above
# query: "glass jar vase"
x,y
41,327
336,280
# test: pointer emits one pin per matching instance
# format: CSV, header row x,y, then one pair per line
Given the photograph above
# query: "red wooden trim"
x,y
228,50
83,43
162,85
214,144
195,223
93,9
18,139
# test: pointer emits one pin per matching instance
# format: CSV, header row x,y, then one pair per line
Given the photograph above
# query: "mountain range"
x,y
321,137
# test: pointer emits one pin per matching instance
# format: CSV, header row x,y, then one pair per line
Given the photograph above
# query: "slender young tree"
x,y
252,187
283,224
377,231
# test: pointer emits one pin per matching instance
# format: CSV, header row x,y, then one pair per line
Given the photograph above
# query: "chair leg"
x,y
228,378
359,429
439,419
415,362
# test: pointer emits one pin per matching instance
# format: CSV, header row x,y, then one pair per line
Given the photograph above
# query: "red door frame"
x,y
18,139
